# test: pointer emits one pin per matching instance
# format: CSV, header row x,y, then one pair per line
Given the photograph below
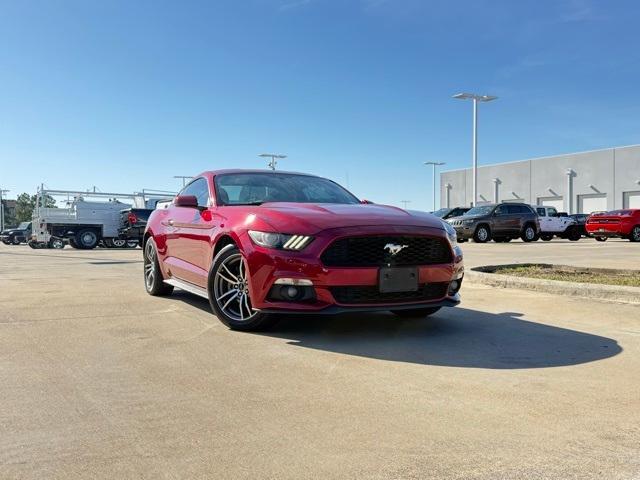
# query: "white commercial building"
x,y
582,182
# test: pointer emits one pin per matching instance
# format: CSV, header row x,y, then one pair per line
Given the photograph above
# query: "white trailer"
x,y
85,223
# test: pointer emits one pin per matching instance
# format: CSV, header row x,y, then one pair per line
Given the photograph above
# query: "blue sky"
x,y
123,95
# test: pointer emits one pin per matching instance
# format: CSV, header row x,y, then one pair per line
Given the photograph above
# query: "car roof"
x,y
225,171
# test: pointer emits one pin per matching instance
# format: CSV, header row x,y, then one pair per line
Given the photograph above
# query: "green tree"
x,y
25,204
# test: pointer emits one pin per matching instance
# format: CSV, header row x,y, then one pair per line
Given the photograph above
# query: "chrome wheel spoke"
x,y
229,272
229,301
226,279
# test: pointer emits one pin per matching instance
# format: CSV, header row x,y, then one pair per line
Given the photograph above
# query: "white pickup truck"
x,y
553,224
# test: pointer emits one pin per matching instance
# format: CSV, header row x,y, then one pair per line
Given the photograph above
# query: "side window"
x,y
199,189
553,212
501,210
541,212
511,209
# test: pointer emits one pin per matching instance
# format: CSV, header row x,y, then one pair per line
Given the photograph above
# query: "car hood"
x,y
10,232
313,217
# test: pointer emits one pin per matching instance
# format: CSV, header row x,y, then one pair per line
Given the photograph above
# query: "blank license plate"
x,y
398,279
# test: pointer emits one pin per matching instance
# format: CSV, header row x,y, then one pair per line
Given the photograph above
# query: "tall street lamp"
x,y
2,192
274,159
434,164
476,99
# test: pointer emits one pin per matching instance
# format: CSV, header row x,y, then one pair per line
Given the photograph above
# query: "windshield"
x,y
256,188
482,210
23,226
442,212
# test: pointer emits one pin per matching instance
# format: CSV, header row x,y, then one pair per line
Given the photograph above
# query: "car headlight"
x,y
280,240
451,234
468,222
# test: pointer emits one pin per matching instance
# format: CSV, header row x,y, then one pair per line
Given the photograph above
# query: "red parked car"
x,y
618,223
258,243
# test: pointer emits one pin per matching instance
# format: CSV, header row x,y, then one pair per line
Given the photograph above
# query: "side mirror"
x,y
186,201
366,202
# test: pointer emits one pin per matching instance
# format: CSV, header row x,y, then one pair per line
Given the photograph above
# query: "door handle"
x,y
170,222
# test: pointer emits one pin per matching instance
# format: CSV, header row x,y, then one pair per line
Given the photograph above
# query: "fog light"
x,y
454,287
292,292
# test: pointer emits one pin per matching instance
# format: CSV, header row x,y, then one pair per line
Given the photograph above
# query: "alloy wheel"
x,y
231,289
635,234
149,265
529,233
482,234
119,243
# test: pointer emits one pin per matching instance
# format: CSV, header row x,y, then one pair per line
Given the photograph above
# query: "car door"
x,y
191,238
500,220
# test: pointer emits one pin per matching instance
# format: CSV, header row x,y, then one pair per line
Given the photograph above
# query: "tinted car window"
x,y
541,212
255,188
199,189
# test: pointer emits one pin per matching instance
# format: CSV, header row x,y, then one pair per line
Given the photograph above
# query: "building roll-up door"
x,y
592,203
631,200
557,202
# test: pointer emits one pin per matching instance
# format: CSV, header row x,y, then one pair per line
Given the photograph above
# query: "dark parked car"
x,y
17,235
502,222
445,213
581,220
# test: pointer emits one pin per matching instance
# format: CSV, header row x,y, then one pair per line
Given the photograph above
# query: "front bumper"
x,y
268,265
464,232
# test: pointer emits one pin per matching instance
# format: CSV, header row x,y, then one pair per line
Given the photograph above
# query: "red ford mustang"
x,y
258,243
618,223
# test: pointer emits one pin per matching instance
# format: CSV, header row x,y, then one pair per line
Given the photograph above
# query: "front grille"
x,y
370,251
371,294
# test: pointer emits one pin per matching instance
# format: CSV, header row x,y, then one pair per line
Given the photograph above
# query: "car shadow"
x,y
453,337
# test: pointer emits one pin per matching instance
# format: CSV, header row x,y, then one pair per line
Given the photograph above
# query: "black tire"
x,y
153,281
601,239
32,244
72,242
56,243
416,312
87,239
132,244
106,243
15,241
546,238
635,234
574,235
228,275
482,234
529,233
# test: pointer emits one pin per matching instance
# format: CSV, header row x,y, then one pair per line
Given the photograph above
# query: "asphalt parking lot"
x,y
101,380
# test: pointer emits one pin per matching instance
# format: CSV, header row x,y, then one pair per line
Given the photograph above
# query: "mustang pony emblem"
x,y
395,249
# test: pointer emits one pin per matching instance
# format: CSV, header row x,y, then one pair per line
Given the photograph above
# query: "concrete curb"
x,y
612,293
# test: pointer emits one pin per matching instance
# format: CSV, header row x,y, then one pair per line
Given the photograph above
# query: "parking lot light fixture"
x,y
476,98
434,164
274,159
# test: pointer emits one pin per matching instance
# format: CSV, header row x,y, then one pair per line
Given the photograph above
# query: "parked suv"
x,y
502,222
17,235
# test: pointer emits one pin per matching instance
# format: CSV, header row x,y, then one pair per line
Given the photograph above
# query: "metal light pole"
x,y
476,99
2,192
274,159
434,164
405,203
